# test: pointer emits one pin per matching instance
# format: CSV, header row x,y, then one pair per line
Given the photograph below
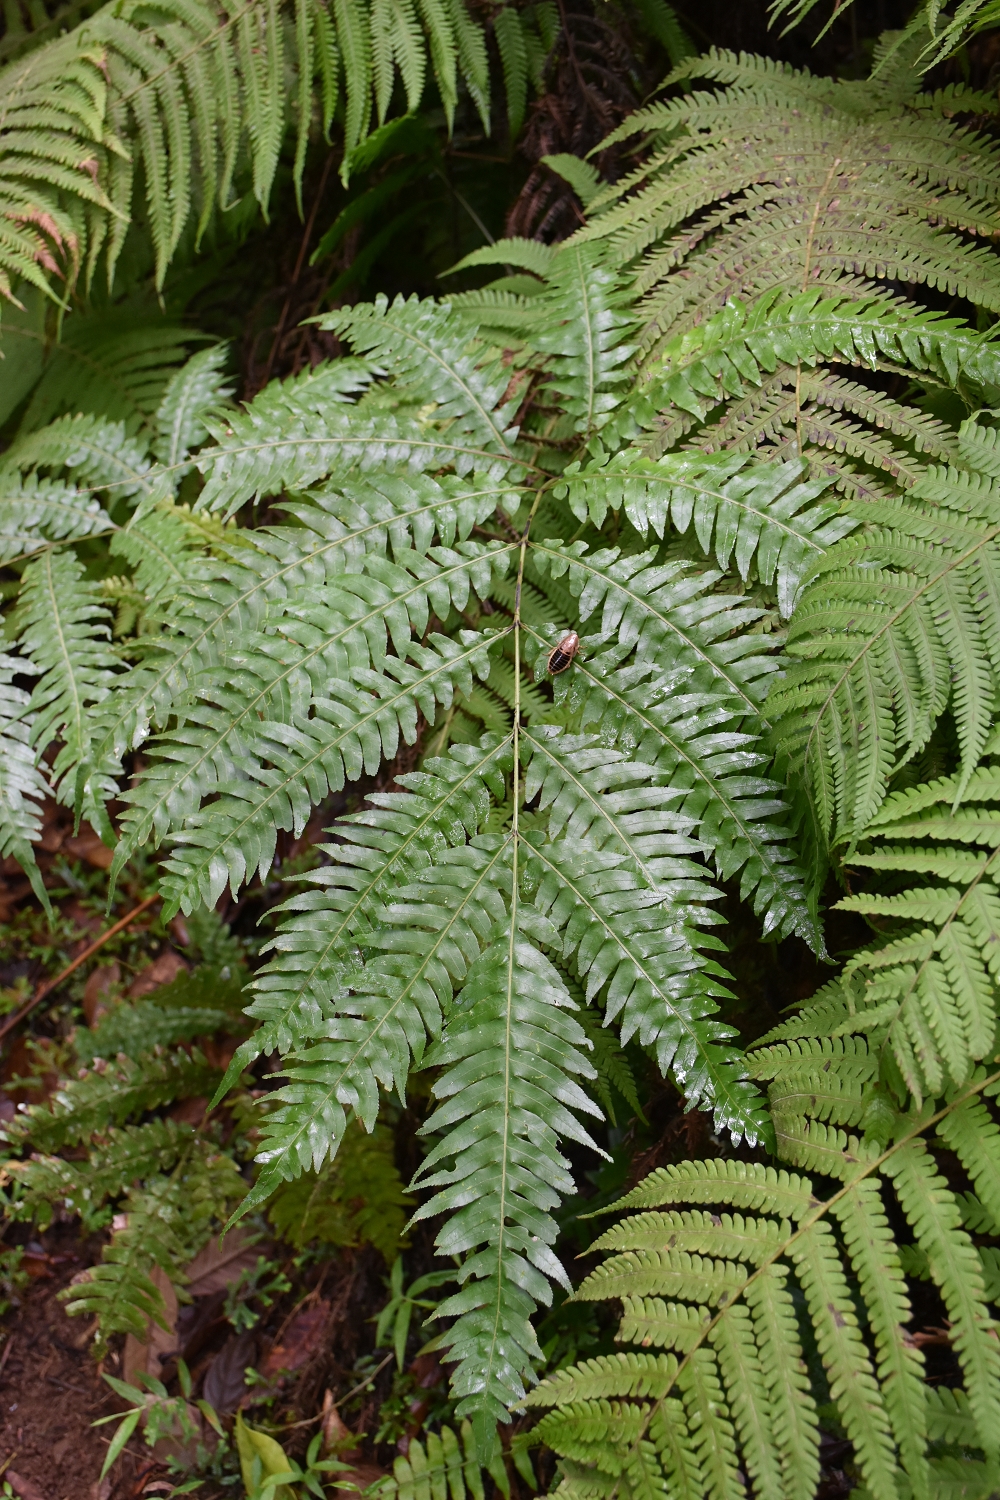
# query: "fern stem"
x,y
51,984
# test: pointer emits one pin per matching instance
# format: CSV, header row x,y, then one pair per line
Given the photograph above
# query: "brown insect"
x,y
561,656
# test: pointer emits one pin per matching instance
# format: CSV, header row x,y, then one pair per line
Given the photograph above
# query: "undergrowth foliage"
x,y
714,436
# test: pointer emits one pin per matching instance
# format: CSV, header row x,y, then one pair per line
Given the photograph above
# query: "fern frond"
x,y
316,732
698,741
929,987
197,390
114,363
659,982
874,193
383,1010
666,612
899,625
168,1220
97,452
750,515
742,344
193,1005
62,630
732,1324
23,786
120,1158
378,851
422,347
35,512
581,327
111,1095
358,1198
175,105
446,1459
510,1057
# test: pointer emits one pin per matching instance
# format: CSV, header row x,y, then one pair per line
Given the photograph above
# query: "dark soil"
x,y
51,1390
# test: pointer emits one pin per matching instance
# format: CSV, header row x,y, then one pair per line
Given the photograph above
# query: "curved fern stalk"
x,y
713,1285
387,845
901,622
181,100
753,515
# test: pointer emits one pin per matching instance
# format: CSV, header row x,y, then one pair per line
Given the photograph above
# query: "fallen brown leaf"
x,y
97,990
145,1356
225,1387
161,971
23,1487
88,847
214,1269
300,1340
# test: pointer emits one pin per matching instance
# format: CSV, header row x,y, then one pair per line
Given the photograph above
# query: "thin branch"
x,y
51,984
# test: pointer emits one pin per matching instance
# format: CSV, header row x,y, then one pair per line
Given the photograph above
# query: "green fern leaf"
x,y
62,629
196,390
506,1095
378,851
744,514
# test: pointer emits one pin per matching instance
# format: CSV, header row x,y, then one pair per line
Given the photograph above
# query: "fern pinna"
x,y
783,613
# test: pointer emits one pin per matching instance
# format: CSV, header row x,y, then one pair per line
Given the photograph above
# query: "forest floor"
x,y
306,1362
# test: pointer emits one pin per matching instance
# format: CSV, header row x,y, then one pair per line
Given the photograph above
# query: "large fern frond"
x,y
762,516
178,96
831,185
717,1286
508,1095
900,623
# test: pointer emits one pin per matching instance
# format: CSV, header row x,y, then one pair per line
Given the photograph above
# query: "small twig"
x,y
51,984
366,1382
63,1385
6,1352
